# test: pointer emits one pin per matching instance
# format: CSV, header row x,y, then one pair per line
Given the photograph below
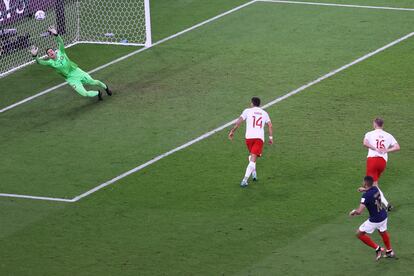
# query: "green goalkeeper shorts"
x,y
80,77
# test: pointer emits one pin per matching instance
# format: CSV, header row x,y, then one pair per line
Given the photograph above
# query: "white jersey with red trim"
x,y
381,140
255,118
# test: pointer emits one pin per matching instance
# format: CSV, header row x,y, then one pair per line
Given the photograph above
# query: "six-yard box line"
x,y
208,134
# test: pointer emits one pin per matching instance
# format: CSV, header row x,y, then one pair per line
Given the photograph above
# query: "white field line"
x,y
190,29
37,197
337,5
129,55
208,134
152,161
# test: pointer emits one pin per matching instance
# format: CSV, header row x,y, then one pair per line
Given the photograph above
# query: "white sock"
x,y
254,174
250,168
383,199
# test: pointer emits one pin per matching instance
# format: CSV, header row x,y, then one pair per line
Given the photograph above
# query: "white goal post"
x,y
118,22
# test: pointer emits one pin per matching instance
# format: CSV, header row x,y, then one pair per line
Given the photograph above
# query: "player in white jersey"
x,y
379,144
256,119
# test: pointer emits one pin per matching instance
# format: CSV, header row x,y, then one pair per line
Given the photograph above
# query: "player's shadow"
x,y
88,106
39,122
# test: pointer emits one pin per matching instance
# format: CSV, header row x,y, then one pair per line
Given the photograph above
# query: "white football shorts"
x,y
369,227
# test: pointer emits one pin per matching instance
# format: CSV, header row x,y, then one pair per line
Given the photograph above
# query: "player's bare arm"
x,y
270,127
358,211
368,145
236,126
393,148
361,189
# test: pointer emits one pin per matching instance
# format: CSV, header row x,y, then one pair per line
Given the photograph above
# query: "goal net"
x,y
122,22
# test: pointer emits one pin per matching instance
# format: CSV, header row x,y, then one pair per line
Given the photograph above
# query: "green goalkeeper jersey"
x,y
62,64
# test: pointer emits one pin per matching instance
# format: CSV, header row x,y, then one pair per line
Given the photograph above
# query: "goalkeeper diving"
x,y
76,77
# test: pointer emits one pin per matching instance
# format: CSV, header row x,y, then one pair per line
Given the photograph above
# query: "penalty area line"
x,y
208,134
44,92
336,5
36,197
129,55
152,161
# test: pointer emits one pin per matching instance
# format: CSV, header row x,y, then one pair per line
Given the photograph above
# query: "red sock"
x,y
386,238
367,240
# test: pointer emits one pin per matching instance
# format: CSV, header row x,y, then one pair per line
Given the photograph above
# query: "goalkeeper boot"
x,y
244,183
100,95
108,91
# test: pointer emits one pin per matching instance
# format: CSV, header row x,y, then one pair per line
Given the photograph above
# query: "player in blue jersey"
x,y
371,200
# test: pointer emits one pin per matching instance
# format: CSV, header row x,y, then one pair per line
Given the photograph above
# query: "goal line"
x,y
46,91
218,129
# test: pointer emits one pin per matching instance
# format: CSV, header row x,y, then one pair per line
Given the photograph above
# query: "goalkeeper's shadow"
x,y
90,105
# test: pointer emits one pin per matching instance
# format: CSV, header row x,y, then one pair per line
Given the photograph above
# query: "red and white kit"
x,y
376,162
256,118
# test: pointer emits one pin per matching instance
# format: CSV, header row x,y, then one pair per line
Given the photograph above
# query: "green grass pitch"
x,y
186,215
